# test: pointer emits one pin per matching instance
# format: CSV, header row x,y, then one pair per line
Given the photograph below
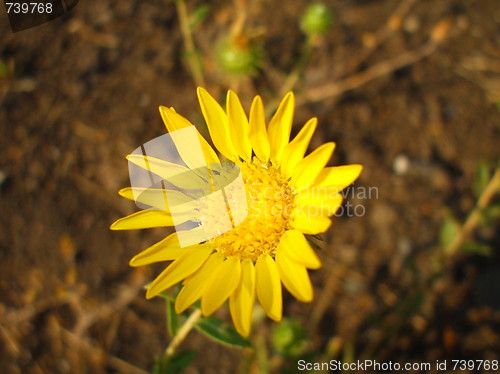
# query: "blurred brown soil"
x,y
82,91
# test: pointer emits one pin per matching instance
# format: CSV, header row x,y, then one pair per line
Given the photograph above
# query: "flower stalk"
x,y
183,332
475,216
192,57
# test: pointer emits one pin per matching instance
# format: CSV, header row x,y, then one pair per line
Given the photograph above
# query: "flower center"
x,y
270,205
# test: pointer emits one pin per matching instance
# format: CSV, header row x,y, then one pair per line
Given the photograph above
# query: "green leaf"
x,y
481,179
173,364
476,248
198,16
491,213
164,295
4,69
173,323
449,230
218,330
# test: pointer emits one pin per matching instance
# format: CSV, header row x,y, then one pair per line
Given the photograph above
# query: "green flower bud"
x,y
289,338
316,20
238,56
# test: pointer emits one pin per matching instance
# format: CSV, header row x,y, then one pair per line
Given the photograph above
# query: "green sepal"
x,y
219,331
173,321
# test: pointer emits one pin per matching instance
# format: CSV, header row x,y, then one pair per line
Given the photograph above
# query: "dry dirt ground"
x,y
406,88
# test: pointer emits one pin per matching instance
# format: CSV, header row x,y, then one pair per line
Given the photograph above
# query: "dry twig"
x,y
117,363
87,319
392,25
378,70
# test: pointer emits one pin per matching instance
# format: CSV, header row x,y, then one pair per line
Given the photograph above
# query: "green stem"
x,y
292,78
261,354
187,37
183,332
475,216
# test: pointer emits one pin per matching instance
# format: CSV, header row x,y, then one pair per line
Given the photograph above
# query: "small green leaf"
x,y
481,179
218,330
4,69
173,323
476,248
198,16
164,295
173,364
491,213
449,230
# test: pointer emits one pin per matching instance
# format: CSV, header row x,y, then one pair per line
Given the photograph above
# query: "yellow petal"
x,y
160,198
308,169
242,299
221,285
174,121
178,175
319,200
295,150
238,126
310,224
165,250
144,219
268,287
338,177
294,276
162,168
280,127
258,132
182,267
217,123
192,236
295,244
195,283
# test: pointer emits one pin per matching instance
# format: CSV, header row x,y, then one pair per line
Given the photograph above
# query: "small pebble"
x,y
401,164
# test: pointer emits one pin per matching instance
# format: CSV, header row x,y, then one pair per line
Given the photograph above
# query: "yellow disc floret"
x,y
270,206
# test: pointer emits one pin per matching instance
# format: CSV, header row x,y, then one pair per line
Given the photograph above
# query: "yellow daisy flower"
x,y
287,194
